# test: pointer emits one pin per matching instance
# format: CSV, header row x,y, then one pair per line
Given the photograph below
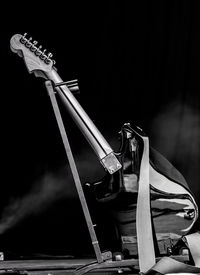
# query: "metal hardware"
x,y
106,255
111,163
71,84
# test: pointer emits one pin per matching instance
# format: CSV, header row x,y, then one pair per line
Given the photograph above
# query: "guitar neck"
x,y
85,124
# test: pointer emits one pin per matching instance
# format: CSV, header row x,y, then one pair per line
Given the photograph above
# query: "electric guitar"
x,y
41,64
171,200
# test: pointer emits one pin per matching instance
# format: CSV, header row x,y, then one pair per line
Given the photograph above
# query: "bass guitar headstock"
x,y
36,59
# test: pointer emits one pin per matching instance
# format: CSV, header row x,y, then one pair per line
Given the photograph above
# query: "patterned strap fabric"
x,y
146,251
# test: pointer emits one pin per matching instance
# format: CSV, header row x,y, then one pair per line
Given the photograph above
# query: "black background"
x,y
135,63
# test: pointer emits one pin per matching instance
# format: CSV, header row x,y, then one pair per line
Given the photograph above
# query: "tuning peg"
x,y
48,59
23,38
43,55
38,51
33,47
50,55
28,43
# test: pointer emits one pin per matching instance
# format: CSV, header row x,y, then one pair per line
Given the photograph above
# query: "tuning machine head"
x,y
37,50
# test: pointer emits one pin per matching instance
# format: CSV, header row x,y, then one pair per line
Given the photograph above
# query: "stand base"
x,y
131,264
74,266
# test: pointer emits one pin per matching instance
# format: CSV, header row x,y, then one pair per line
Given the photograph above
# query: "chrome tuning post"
x,y
50,55
28,43
38,51
33,47
48,59
43,56
23,39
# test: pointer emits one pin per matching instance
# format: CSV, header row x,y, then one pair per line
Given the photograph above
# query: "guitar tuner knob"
x,y
43,55
23,39
50,55
28,43
48,58
33,47
38,51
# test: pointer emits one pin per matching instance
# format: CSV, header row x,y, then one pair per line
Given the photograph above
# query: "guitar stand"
x,y
104,260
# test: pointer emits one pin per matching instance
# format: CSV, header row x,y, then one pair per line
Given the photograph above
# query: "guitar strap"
x,y
146,251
